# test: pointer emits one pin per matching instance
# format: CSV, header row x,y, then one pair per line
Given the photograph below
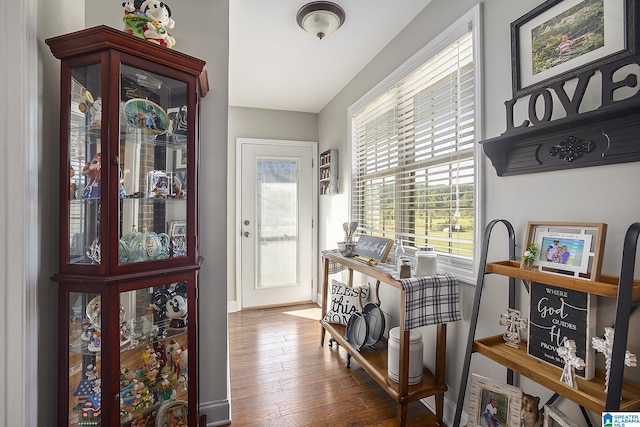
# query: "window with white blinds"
x,y
413,156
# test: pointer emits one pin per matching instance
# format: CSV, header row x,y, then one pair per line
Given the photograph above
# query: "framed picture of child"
x,y
493,404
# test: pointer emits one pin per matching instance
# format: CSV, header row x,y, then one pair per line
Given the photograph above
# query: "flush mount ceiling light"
x,y
320,18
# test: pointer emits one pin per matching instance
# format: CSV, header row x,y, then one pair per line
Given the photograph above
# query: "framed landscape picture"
x,y
561,38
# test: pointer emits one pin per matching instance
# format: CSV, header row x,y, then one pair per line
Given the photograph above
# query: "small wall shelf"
x,y
329,172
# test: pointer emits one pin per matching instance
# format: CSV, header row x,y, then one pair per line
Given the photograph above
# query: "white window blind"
x,y
413,156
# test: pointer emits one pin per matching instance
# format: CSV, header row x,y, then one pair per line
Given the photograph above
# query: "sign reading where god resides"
x,y
557,315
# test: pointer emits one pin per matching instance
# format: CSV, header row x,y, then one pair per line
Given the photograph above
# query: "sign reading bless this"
x,y
556,315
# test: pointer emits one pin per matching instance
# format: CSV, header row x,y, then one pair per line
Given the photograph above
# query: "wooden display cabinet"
x,y
128,270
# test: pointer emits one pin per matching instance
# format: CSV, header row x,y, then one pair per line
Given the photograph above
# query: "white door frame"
x,y
238,220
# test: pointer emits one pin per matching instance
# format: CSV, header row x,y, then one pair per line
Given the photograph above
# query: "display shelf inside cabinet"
x,y
329,172
623,395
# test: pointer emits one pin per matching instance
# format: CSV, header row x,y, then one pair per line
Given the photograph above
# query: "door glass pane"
x,y
85,160
277,209
152,181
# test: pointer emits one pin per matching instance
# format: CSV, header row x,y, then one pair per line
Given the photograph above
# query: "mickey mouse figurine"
x,y
172,304
150,20
177,306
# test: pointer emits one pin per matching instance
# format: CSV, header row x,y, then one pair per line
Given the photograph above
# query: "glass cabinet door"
x,y
152,181
85,160
154,366
154,363
85,356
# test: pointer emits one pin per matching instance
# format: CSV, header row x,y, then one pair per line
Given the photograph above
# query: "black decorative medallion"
x,y
571,149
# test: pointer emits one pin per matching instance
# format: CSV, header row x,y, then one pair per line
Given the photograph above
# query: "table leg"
x,y
402,414
325,292
441,358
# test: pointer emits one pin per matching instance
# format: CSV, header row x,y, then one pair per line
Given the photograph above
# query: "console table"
x,y
374,362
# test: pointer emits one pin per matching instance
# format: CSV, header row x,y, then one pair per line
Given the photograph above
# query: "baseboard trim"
x,y
449,410
218,412
232,306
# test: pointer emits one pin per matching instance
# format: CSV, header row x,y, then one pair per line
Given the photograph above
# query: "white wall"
x,y
263,124
595,194
52,19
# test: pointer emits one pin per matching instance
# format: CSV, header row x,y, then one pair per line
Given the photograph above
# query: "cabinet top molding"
x,y
102,37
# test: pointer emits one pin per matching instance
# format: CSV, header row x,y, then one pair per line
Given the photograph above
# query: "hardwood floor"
x,y
281,376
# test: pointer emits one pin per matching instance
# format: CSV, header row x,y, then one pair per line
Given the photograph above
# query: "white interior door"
x,y
277,217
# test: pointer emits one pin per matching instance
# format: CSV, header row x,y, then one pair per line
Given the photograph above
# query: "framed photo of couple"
x,y
573,249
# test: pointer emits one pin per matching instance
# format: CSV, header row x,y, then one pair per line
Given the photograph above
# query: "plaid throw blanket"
x,y
431,300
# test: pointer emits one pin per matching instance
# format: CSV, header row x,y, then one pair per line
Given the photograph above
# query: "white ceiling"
x,y
274,64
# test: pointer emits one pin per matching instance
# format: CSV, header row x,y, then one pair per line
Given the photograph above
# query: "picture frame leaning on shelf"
x,y
494,404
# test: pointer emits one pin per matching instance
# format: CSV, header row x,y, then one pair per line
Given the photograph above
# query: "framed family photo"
x,y
493,404
561,38
573,249
564,251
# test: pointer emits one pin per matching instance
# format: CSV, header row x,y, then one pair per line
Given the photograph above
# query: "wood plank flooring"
x,y
281,376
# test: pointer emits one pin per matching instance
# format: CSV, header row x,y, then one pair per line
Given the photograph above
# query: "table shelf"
x,y
374,362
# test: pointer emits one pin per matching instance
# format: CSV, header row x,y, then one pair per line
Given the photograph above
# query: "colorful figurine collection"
x,y
162,361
